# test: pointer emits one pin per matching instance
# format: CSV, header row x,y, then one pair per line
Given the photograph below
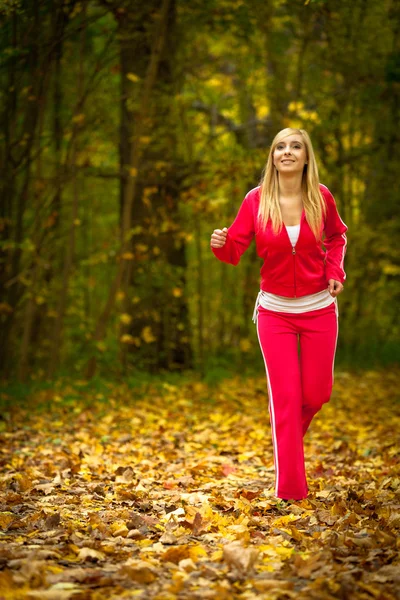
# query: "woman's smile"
x,y
290,151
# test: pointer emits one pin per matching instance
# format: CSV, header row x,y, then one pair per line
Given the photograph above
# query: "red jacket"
x,y
287,271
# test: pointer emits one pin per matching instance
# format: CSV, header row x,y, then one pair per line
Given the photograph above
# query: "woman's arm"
x,y
239,235
335,241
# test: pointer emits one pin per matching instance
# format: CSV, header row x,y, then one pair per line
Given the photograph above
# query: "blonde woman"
x,y
288,214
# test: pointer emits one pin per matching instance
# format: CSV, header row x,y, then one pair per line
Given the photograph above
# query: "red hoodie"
x,y
287,271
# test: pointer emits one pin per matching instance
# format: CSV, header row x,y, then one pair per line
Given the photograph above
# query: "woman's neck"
x,y
290,185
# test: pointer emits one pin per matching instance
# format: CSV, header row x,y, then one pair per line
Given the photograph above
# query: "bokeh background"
x,y
131,130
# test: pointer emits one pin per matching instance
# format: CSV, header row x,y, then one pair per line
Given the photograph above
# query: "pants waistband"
x,y
257,303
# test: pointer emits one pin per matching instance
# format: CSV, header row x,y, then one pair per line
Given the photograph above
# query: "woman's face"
x,y
290,154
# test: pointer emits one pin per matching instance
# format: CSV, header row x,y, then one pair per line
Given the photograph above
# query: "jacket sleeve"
x,y
335,241
239,236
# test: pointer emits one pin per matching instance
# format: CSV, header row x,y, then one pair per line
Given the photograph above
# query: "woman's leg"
x,y
318,340
277,334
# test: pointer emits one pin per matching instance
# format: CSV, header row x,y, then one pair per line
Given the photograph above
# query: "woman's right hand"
x,y
218,237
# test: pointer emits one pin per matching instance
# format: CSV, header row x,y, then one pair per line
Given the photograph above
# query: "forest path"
x,y
167,492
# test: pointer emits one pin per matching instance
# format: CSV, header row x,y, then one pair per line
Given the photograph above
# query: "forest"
x,y
137,456
130,131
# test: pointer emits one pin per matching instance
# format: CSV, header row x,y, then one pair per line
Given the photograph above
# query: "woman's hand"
x,y
218,237
335,287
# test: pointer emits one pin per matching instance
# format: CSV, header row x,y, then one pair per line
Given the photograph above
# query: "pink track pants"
x,y
298,385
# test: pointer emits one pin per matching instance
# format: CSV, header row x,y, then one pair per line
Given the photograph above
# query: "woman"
x,y
297,303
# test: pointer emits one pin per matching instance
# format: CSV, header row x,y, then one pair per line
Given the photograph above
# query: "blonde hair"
x,y
313,200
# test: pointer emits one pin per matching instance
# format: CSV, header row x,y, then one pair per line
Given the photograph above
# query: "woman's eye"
x,y
281,147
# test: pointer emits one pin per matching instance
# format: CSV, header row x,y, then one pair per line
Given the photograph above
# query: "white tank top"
x,y
293,305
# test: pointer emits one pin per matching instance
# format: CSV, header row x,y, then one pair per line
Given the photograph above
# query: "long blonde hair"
x,y
313,200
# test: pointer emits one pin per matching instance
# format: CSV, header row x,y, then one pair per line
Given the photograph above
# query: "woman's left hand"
x,y
335,287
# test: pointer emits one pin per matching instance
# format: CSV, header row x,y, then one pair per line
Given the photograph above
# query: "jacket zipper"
x,y
294,269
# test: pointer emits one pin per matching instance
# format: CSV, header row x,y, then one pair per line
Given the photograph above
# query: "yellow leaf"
x,y
389,269
177,554
55,569
126,339
215,82
5,519
295,106
22,482
177,292
133,77
216,556
262,112
119,528
147,335
284,552
294,123
108,549
125,318
282,521
197,552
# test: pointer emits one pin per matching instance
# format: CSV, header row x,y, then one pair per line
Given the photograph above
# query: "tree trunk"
x,y
130,181
70,248
31,73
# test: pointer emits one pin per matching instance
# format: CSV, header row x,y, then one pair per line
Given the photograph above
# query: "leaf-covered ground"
x,y
168,492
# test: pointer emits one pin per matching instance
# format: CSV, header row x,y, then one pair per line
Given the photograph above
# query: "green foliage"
x,y
9,7
232,75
